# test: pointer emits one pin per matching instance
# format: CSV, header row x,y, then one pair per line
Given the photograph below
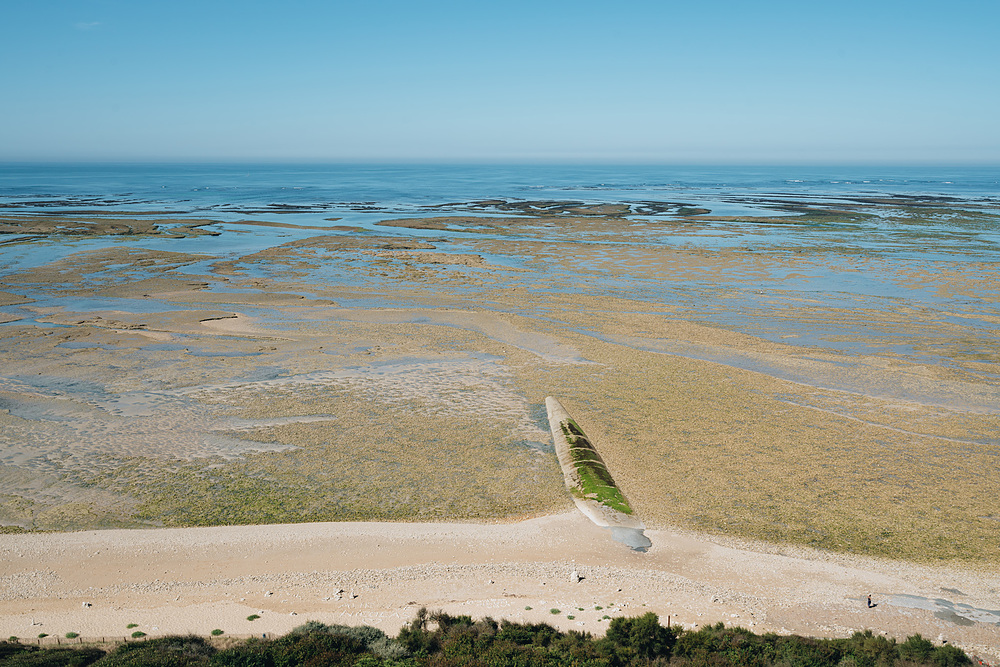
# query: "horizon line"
x,y
500,162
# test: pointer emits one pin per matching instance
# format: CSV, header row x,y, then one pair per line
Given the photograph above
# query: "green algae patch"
x,y
594,481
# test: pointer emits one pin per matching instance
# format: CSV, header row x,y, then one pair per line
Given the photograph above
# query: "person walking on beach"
x,y
870,605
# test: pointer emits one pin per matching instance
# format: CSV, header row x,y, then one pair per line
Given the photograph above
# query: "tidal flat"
x,y
825,376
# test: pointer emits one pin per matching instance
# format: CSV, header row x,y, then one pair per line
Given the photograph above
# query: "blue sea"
x,y
344,187
363,194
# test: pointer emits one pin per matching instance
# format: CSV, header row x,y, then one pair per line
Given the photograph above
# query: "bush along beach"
x,y
440,640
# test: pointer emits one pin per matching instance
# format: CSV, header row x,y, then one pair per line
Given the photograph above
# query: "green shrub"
x,y
949,656
253,617
315,648
359,639
310,626
17,655
642,636
72,635
538,634
554,611
251,653
366,634
459,640
12,648
132,625
137,634
867,648
446,621
743,646
189,650
388,649
916,648
217,632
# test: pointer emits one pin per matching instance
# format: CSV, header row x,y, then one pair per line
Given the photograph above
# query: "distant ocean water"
x,y
228,188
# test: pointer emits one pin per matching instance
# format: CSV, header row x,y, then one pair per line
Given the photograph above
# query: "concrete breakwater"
x,y
590,484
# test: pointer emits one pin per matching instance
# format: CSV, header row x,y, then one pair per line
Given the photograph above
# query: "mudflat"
x,y
360,375
221,373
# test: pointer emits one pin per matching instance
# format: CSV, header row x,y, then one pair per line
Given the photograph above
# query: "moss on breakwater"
x,y
594,481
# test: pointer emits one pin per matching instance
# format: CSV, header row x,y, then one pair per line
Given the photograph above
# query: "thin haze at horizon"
x,y
384,80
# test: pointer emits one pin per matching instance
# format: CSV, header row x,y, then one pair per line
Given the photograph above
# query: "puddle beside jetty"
x,y
946,610
634,538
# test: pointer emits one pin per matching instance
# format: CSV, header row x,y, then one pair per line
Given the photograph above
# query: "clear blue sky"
x,y
737,81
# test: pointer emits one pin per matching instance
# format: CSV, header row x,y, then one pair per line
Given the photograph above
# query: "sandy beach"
x,y
559,569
